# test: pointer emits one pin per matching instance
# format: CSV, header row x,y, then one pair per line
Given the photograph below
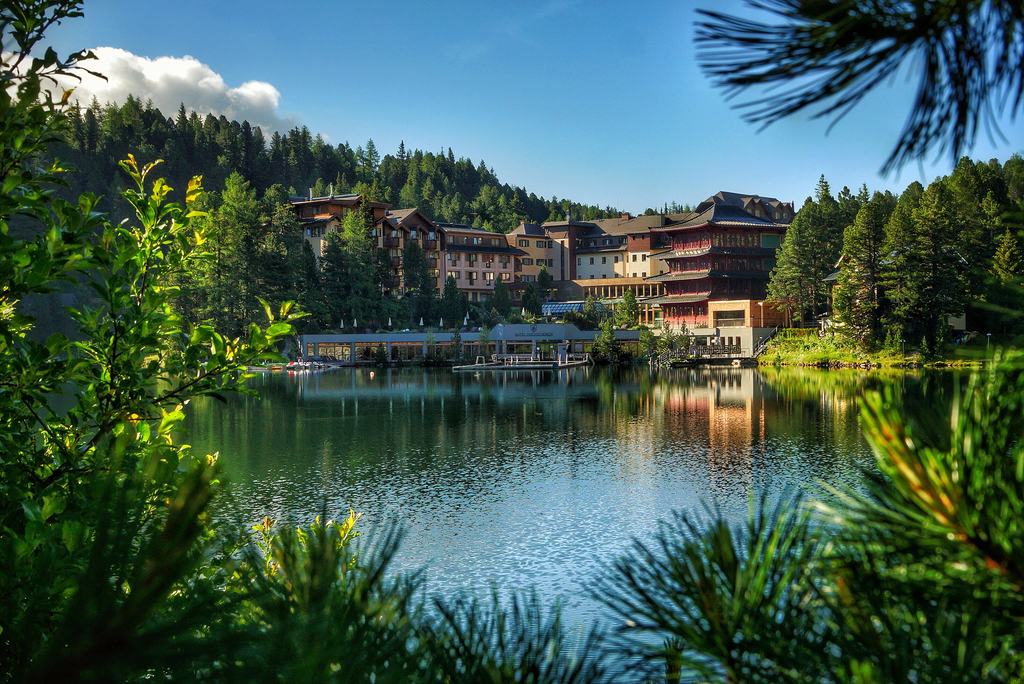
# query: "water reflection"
x,y
534,478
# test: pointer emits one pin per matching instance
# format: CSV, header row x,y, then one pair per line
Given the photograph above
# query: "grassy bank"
x,y
796,347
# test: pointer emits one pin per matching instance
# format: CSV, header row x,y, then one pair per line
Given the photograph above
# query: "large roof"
x,y
722,215
462,227
780,211
347,200
531,229
397,216
679,299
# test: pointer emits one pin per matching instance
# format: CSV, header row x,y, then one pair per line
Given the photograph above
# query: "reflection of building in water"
x,y
722,412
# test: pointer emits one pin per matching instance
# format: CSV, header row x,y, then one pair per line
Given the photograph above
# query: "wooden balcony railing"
x,y
396,262
432,263
392,242
429,244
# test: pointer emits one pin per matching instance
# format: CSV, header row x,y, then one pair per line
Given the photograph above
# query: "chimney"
x,y
311,193
626,216
332,189
568,217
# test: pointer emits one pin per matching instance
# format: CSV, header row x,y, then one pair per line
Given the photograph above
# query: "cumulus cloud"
x,y
170,81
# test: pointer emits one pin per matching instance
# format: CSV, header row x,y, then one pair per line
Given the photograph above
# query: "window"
x,y
634,258
644,257
413,236
770,240
489,277
604,260
430,236
579,261
622,241
458,275
603,275
644,275
495,242
634,274
476,241
591,277
524,243
528,262
591,261
616,259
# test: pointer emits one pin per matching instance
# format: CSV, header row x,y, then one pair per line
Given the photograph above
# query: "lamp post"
x,y
760,308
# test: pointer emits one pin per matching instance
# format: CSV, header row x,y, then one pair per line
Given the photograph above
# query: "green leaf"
x,y
32,511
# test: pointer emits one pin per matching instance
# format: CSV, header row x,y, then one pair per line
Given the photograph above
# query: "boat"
x,y
517,362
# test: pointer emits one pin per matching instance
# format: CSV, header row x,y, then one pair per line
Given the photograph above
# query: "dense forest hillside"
x,y
446,188
902,264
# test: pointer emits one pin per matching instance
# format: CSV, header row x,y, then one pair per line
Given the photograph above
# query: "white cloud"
x,y
170,81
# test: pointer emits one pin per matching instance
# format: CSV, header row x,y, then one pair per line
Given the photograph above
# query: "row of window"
x,y
603,241
472,277
539,262
467,240
604,260
542,244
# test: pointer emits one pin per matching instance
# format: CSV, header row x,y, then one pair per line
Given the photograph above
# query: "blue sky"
x,y
596,101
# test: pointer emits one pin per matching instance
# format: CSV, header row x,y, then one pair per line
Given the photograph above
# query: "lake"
x,y
523,479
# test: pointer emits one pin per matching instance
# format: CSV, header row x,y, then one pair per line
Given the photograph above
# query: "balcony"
x,y
488,264
432,263
392,242
429,244
394,281
396,262
519,267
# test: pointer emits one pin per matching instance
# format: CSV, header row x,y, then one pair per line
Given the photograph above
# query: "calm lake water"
x,y
536,479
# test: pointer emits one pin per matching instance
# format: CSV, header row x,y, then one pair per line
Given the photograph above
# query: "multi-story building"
x,y
719,252
319,216
405,226
541,252
477,258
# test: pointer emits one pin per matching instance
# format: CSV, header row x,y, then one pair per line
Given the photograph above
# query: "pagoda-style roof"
x,y
679,299
722,215
677,276
726,251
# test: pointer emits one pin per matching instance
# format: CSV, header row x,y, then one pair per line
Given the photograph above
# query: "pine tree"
x,y
416,270
531,300
858,294
942,290
453,304
500,300
1008,262
627,313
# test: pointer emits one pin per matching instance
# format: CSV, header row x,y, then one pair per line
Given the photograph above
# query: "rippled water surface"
x,y
535,479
